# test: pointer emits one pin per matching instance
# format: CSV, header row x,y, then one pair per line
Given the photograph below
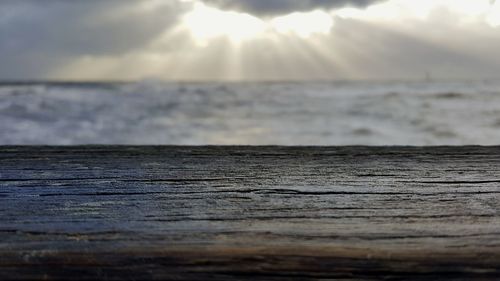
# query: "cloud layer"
x,y
279,7
128,39
37,35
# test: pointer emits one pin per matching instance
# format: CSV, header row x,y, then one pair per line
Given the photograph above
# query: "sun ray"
x,y
214,44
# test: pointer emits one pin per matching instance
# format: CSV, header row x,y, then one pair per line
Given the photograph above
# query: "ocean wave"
x,y
309,113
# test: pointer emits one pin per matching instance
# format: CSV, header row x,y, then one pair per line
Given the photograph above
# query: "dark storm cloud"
x,y
276,7
47,29
82,26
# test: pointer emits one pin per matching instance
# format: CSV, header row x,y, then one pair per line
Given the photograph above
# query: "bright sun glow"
x,y
494,16
304,24
468,10
207,23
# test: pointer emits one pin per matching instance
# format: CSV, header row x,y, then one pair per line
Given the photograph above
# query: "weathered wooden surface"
x,y
272,213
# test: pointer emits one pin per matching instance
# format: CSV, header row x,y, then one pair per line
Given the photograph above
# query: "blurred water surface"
x,y
293,113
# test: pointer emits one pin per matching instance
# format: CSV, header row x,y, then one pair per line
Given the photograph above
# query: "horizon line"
x,y
200,81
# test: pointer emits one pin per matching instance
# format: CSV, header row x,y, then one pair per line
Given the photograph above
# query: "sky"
x,y
248,40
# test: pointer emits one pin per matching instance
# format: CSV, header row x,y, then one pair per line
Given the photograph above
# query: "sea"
x,y
151,112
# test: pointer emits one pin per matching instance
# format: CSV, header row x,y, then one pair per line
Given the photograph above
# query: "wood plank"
x,y
275,213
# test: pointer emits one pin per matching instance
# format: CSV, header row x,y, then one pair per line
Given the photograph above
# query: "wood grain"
x,y
272,213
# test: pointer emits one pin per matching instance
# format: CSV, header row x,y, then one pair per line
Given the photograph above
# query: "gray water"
x,y
305,113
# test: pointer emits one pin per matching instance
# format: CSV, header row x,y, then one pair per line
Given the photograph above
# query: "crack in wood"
x,y
237,212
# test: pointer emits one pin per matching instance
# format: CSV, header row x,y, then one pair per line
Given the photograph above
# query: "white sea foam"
x,y
319,113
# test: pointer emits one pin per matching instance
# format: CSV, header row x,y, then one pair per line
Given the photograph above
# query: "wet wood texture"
x,y
246,213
